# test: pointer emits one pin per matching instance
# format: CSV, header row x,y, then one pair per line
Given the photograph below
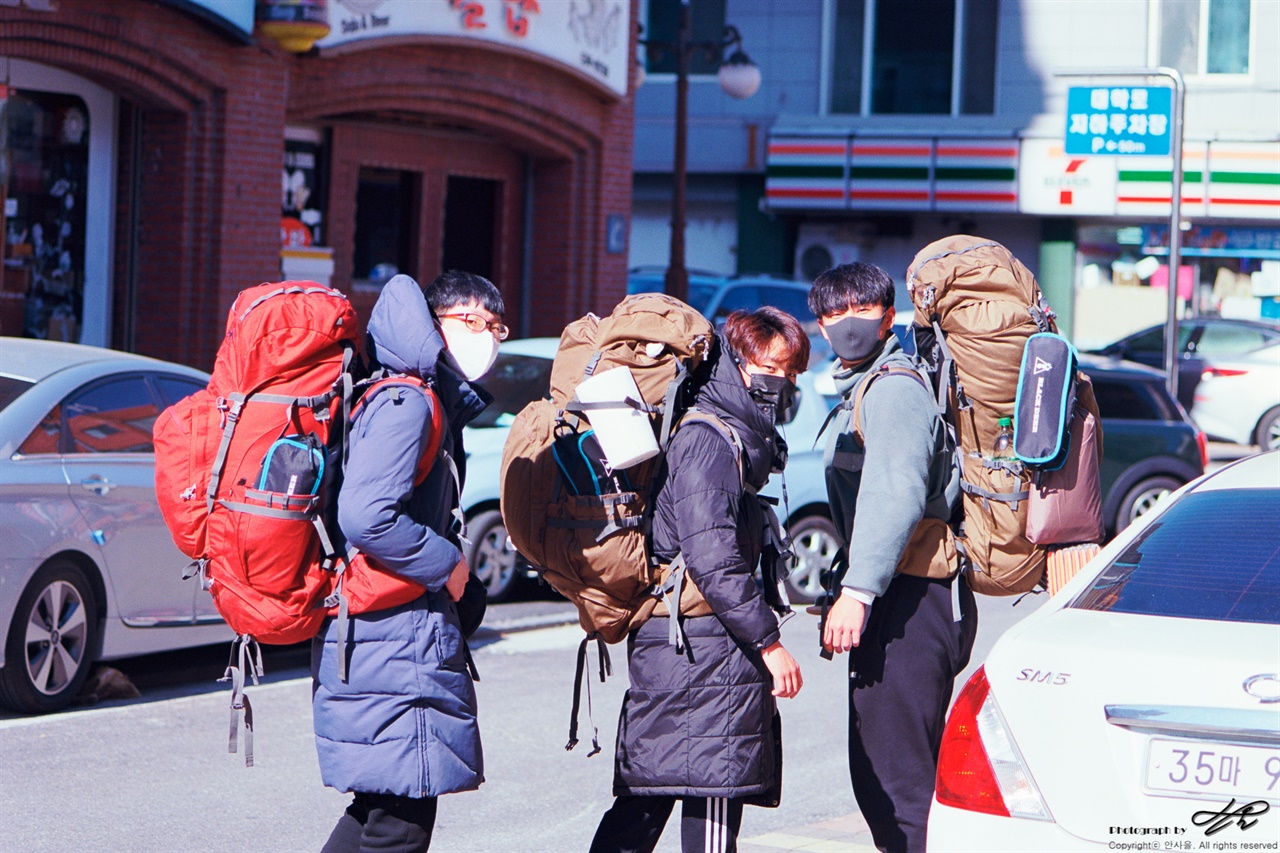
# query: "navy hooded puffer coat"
x,y
706,724
404,722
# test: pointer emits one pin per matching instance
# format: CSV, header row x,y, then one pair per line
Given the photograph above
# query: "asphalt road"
x,y
153,774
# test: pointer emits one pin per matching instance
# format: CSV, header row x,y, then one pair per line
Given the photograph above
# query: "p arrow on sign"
x,y
1134,120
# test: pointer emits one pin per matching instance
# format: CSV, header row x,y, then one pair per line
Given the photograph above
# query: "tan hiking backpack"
x,y
976,307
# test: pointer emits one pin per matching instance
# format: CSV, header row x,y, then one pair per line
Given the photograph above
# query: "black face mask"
x,y
775,392
853,339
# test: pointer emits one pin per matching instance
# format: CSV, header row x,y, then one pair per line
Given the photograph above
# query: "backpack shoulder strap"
x,y
859,395
695,415
673,588
392,384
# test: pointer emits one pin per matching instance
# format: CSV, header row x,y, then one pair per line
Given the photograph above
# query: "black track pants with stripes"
x,y
634,824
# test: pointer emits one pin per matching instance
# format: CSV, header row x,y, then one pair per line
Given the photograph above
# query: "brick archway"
x,y
191,103
563,125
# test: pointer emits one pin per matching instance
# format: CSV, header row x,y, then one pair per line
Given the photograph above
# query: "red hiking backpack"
x,y
248,469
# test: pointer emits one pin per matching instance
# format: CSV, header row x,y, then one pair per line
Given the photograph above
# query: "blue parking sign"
x,y
1119,120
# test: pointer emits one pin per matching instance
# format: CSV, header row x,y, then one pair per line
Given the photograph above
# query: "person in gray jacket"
x,y
902,612
400,729
702,726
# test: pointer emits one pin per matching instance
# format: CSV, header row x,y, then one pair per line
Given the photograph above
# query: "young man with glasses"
x,y
400,729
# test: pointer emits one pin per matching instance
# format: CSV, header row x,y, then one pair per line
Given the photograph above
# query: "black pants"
x,y
900,677
634,824
384,823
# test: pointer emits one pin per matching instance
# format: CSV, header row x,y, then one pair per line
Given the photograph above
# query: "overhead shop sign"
x,y
589,36
1131,120
1221,180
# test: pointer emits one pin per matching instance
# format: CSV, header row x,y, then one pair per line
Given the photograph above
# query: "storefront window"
x,y
1123,277
386,225
302,195
46,143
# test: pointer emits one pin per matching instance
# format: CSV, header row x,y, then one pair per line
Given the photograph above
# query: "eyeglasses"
x,y
476,323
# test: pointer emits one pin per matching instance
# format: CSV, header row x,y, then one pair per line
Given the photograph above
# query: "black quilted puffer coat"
x,y
704,723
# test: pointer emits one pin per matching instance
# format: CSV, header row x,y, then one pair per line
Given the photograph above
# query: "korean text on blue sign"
x,y
1119,120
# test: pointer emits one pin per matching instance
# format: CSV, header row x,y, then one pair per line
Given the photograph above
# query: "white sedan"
x,y
1238,398
1140,707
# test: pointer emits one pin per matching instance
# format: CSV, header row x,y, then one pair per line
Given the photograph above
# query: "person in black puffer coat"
x,y
702,725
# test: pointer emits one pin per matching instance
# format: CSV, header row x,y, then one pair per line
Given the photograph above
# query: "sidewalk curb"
x,y
502,628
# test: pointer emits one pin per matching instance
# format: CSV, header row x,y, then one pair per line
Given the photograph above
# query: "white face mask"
x,y
470,353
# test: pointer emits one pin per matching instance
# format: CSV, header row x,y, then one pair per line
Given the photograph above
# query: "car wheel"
x,y
491,556
1139,500
1267,435
48,651
813,539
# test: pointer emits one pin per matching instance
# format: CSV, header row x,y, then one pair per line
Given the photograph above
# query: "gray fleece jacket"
x,y
880,492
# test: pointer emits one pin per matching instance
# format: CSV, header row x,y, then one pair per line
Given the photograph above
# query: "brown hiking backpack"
x,y
583,526
976,306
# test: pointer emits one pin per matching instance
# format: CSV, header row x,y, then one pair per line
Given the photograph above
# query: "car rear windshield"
x,y
11,389
1213,555
1133,399
515,381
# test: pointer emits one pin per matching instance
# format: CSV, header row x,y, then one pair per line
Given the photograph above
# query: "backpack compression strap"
x,y
246,659
426,461
580,676
672,589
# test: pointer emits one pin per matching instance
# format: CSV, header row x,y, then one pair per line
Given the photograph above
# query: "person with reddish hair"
x,y
700,722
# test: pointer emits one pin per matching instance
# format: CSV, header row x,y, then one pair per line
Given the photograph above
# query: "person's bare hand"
x,y
784,669
457,581
844,624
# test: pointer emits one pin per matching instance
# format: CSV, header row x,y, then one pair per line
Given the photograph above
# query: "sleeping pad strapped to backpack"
x,y
976,307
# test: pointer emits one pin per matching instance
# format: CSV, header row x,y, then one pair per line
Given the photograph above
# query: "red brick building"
x,y
145,143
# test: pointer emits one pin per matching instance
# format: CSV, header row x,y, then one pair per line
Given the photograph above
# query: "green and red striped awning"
x,y
1228,180
891,173
1243,182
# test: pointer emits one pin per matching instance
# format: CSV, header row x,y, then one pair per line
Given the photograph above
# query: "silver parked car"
x,y
88,570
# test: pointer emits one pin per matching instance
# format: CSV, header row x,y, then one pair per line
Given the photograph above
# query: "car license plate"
x,y
1214,769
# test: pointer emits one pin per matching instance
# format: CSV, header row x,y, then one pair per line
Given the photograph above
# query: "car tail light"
x,y
1213,372
1203,442
979,766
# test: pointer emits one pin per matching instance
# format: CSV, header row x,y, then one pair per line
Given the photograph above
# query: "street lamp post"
x,y
739,77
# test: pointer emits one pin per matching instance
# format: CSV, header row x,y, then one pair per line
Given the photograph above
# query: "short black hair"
x,y
850,285
455,287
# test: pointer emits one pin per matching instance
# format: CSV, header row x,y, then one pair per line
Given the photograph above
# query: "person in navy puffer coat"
x,y
401,729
